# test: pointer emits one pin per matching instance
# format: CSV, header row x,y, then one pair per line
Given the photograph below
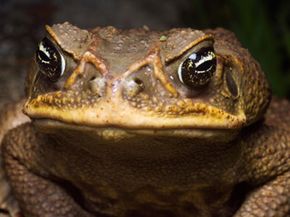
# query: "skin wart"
x,y
144,123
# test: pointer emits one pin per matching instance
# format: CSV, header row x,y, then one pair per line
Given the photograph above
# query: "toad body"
x,y
139,123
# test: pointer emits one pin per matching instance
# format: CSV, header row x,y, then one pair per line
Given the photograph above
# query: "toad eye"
x,y
197,70
50,61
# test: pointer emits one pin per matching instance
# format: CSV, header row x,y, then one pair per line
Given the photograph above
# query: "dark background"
x,y
262,26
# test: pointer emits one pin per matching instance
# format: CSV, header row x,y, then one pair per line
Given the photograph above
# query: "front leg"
x,y
270,200
37,196
266,164
11,116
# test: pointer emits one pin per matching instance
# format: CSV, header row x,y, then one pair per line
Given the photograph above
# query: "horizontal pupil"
x,y
43,56
197,70
205,66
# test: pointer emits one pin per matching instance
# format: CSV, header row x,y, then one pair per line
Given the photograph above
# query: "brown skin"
x,y
118,134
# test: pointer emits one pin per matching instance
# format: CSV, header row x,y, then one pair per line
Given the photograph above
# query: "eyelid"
x,y
206,41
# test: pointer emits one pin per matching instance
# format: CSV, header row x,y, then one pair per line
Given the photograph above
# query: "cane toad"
x,y
135,123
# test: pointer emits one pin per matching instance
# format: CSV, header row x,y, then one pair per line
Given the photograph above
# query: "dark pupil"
x,y
49,59
197,70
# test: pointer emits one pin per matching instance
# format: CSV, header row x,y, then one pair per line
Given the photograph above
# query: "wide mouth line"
x,y
62,124
125,117
119,133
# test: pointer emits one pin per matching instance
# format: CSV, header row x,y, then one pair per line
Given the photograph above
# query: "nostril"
x,y
93,78
134,86
139,83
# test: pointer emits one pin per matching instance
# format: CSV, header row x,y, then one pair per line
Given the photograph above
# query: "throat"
x,y
148,201
162,161
145,174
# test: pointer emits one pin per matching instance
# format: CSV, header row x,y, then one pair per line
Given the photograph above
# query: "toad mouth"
x,y
115,133
119,114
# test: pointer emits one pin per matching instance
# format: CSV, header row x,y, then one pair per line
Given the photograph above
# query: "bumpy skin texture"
x,y
11,116
119,135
